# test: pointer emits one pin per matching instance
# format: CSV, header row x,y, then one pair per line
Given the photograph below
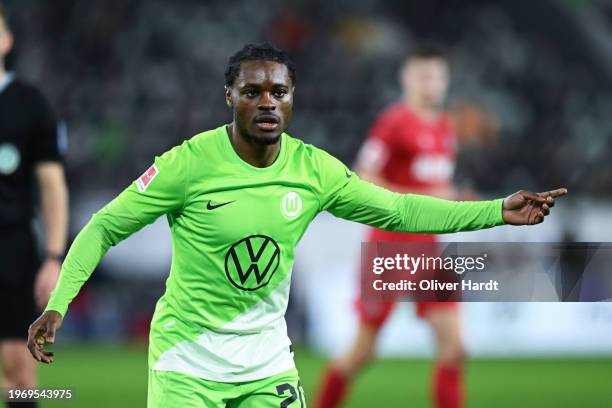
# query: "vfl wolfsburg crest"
x,y
291,204
251,262
9,158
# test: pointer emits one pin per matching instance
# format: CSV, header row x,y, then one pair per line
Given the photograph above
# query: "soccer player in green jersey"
x,y
238,199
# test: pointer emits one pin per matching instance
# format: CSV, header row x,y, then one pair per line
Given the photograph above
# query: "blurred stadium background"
x,y
532,97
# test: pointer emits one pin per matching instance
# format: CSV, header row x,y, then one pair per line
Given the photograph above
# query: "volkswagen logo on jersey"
x,y
9,158
251,262
291,204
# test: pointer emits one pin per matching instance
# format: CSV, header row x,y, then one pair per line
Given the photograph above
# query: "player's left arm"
x,y
345,195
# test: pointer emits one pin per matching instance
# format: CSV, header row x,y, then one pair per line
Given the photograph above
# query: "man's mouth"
x,y
267,123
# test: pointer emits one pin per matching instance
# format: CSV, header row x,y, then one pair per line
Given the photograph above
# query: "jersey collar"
x,y
233,156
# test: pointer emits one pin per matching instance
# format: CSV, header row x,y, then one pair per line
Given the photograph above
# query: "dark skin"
x,y
262,102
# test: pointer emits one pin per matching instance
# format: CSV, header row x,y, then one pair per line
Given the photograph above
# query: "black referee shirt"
x,y
28,135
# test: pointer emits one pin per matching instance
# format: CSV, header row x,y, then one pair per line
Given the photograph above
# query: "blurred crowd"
x,y
132,78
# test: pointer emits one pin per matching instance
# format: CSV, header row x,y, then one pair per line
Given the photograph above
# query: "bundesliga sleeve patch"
x,y
143,181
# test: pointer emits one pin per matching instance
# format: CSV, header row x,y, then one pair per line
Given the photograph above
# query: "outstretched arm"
x,y
345,195
160,190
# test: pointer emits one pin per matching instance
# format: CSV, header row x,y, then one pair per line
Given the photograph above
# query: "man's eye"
x,y
280,94
250,93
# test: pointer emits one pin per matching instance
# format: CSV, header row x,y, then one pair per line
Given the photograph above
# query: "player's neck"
x,y
256,154
2,71
426,112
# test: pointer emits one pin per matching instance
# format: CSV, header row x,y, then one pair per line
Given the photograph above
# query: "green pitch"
x,y
116,376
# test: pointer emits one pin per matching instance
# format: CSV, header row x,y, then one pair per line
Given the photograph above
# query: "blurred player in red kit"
x,y
411,148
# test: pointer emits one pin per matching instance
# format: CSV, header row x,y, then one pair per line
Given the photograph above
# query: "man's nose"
x,y
266,102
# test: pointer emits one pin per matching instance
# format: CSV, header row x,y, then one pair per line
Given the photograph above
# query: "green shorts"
x,y
169,389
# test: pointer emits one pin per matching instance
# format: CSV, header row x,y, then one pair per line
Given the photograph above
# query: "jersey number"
x,y
281,389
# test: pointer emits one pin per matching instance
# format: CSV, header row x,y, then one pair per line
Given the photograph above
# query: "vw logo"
x,y
251,262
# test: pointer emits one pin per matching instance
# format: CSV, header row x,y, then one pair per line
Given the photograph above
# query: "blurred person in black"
x,y
30,156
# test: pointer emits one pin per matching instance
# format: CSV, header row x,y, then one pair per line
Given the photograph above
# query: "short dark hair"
x,y
427,51
257,52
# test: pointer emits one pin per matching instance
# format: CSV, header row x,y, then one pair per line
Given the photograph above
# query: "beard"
x,y
262,139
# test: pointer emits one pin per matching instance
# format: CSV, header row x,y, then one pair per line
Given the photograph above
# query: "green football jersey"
x,y
234,229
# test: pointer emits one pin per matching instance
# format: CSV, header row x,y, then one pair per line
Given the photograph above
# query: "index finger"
x,y
555,193
532,196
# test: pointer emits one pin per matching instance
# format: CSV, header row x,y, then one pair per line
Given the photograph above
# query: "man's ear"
x,y
228,96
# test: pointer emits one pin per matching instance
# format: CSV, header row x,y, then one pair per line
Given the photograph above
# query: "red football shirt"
x,y
411,152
